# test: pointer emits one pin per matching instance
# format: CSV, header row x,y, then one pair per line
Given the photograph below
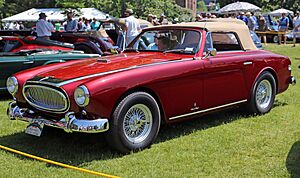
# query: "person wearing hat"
x,y
71,25
243,18
163,20
132,27
150,18
296,29
251,22
44,28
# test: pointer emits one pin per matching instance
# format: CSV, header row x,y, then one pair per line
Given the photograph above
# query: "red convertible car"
x,y
168,74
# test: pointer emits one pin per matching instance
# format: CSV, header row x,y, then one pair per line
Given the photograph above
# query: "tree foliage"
x,y
113,7
141,7
201,7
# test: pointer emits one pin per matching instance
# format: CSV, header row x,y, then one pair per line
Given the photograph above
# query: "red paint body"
x,y
179,82
28,43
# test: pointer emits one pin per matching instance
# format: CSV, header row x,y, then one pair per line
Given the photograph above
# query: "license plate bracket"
x,y
35,128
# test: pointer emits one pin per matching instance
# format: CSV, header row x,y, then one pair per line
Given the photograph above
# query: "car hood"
x,y
109,64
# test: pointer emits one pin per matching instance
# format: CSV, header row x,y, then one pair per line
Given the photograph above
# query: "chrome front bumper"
x,y
69,123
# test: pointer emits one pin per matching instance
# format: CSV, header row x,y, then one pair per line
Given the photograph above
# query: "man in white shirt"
x,y
44,28
296,30
132,28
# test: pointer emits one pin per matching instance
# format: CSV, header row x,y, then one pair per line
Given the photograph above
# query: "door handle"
x,y
28,62
248,63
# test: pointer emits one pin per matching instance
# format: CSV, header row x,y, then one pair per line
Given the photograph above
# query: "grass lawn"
x,y
224,144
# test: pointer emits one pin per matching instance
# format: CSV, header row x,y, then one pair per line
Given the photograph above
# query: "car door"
x,y
224,83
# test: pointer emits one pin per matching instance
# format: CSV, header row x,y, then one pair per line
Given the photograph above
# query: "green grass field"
x,y
223,144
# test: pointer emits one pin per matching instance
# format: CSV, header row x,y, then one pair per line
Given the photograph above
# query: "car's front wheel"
x,y
263,94
135,123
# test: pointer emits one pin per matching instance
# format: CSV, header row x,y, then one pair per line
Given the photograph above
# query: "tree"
x,y
201,7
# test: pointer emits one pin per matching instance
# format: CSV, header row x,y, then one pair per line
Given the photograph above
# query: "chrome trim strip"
x,y
206,110
248,63
108,72
63,94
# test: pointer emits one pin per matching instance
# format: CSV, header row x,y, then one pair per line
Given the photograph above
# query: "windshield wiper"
x,y
177,50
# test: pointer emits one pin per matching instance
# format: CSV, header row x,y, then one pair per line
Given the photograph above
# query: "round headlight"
x,y
81,96
12,85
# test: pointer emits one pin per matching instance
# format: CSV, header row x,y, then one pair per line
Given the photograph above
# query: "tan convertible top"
x,y
223,25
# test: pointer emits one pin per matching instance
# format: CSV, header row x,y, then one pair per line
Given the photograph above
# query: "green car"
x,y
11,63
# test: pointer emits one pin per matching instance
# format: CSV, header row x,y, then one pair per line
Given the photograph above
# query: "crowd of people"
x,y
131,26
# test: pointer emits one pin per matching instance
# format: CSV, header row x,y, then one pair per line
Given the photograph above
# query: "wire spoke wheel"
x,y
263,94
137,123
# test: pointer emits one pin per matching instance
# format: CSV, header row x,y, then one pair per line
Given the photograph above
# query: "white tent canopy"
x,y
278,12
54,14
239,6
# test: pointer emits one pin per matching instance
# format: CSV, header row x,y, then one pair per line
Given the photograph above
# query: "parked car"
x,y
191,69
12,62
18,43
255,39
92,42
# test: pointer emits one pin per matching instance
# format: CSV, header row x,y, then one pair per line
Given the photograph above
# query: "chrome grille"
x,y
45,98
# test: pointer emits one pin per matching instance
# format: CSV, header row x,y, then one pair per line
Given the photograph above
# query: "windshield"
x,y
183,41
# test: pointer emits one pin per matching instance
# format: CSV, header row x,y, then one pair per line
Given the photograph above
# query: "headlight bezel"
x,y
82,96
12,82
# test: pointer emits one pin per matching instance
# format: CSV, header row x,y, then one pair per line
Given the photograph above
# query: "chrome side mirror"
x,y
211,51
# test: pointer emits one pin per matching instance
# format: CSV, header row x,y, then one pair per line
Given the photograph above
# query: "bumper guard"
x,y
69,123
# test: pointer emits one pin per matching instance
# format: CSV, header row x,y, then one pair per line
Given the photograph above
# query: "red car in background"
x,y
92,42
18,43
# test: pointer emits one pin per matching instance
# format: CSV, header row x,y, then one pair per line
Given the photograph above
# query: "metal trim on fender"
x,y
206,110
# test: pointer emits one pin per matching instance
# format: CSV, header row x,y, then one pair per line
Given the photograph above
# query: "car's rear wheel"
x,y
275,39
135,123
263,94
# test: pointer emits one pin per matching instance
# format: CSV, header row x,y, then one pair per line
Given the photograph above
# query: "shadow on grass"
x,y
57,145
293,160
279,103
5,97
79,148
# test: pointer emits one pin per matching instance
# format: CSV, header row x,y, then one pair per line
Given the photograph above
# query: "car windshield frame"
x,y
179,47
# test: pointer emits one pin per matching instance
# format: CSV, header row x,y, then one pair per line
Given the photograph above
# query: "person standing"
x,y
283,27
296,29
132,27
243,18
72,24
251,21
44,28
163,20
262,27
95,25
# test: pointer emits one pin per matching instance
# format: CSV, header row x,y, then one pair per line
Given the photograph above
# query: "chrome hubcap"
x,y
137,123
263,94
